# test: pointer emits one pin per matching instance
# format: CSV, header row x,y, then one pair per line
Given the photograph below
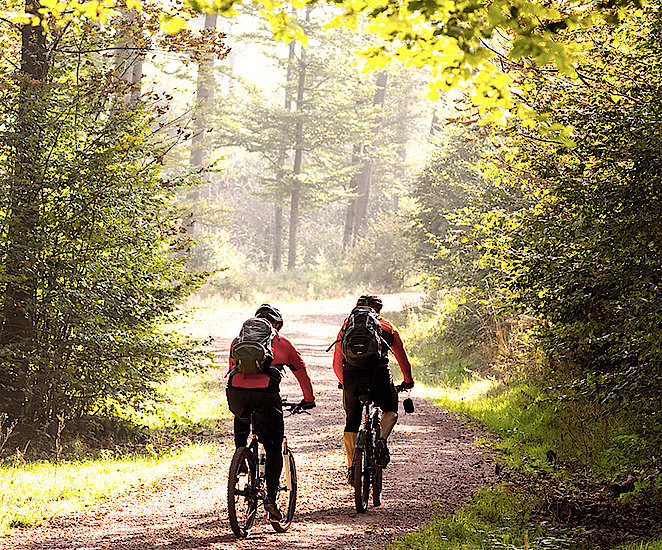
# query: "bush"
x,y
94,260
384,260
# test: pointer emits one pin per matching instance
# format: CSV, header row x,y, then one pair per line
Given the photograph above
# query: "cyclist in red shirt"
x,y
376,376
259,395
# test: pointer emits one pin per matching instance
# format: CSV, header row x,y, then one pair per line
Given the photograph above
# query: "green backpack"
x,y
251,350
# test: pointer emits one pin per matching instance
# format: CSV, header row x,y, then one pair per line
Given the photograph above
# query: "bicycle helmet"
x,y
370,300
271,314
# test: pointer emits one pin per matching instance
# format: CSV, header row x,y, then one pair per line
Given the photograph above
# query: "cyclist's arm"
x,y
230,360
398,348
401,357
337,358
295,363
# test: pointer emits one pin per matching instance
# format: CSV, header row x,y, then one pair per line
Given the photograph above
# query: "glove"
x,y
406,385
306,405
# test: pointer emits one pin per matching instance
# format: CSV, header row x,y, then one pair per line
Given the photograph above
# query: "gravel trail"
x,y
434,468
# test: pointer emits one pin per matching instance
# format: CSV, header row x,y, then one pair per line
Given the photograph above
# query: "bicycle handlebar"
x,y
294,408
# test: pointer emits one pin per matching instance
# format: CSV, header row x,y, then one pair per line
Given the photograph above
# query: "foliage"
x,y
93,253
453,197
565,237
461,41
585,260
383,260
655,544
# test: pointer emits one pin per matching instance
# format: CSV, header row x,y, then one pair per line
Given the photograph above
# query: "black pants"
x,y
376,382
266,412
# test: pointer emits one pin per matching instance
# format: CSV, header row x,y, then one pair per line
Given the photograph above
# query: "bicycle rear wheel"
x,y
242,492
286,497
362,457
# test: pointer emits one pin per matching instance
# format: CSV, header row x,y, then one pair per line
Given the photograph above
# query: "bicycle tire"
x,y
242,492
286,498
361,478
377,486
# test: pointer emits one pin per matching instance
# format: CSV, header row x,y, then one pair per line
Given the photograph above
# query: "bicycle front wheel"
x,y
361,478
377,486
287,493
242,492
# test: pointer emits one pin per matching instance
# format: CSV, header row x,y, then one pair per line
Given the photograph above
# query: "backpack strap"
x,y
329,348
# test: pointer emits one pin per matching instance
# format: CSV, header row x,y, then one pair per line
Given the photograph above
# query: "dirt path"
x,y
434,467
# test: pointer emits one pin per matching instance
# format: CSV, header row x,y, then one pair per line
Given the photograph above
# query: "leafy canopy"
x,y
466,43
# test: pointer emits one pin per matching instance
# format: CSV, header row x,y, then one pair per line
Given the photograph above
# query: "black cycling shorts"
x,y
266,410
375,381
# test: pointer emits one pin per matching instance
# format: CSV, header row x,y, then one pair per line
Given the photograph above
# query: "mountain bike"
x,y
367,470
247,485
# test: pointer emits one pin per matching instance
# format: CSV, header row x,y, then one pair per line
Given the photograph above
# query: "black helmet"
x,y
270,313
370,300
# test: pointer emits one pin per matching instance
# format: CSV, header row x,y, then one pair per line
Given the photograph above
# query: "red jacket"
x,y
397,346
284,354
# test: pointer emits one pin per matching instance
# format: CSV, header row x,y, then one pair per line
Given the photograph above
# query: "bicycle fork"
x,y
286,465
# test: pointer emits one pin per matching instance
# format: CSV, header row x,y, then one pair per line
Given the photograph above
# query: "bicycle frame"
x,y
371,420
257,449
367,472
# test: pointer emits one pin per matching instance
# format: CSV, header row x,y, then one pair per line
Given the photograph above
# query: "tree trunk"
x,y
200,158
294,226
298,162
365,175
350,216
277,263
128,62
356,219
278,211
21,253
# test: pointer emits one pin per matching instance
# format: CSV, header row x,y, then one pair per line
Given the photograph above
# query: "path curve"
x,y
434,468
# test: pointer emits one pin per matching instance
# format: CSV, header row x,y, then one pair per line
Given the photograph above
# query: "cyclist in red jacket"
x,y
259,395
376,376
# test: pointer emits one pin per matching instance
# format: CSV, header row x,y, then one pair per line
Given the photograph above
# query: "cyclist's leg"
x,y
386,397
353,410
349,439
239,406
242,430
270,430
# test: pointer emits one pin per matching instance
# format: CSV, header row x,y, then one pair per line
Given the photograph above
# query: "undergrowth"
x,y
496,518
577,449
108,456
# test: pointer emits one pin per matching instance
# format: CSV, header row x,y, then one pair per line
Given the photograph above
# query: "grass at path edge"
x,y
33,492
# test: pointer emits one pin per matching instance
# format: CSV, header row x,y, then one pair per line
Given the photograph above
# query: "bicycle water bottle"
x,y
261,464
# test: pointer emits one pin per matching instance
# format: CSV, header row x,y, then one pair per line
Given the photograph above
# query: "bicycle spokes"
x,y
243,492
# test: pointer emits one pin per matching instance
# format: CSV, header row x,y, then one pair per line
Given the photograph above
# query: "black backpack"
x,y
361,339
251,350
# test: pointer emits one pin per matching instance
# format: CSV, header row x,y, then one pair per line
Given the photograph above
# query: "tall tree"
x,y
204,98
19,258
128,56
85,231
357,210
295,193
278,209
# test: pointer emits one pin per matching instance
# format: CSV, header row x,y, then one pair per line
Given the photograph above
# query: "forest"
x,y
499,163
